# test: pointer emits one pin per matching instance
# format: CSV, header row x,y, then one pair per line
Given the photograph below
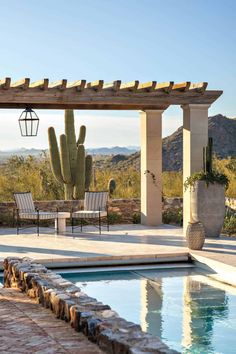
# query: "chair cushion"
x,y
24,202
43,215
94,201
86,214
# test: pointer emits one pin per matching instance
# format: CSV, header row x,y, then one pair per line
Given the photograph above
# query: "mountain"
x,y
109,151
116,150
221,128
4,155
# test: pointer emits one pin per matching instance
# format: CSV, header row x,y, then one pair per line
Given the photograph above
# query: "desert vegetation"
x,y
34,173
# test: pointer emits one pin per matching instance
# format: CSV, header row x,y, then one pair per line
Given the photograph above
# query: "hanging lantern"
x,y
29,122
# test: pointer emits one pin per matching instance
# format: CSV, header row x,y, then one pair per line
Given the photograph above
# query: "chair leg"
x,y
72,225
81,225
57,229
38,223
99,223
17,224
108,226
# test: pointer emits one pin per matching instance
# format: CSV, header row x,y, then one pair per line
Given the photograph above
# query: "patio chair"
x,y
94,212
26,210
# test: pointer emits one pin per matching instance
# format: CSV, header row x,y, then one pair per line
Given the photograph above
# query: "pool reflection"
x,y
202,304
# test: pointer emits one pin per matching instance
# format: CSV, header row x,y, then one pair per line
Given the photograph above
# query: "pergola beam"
x,y
99,95
41,84
129,86
95,85
79,85
5,83
23,83
164,86
182,86
61,84
199,87
114,85
147,86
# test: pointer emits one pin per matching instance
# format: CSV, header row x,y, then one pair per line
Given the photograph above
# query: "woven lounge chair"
x,y
26,210
94,212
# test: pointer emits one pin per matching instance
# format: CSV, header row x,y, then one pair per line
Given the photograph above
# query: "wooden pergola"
x,y
99,95
151,98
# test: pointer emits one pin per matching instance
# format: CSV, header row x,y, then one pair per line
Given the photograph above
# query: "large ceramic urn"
x,y
208,206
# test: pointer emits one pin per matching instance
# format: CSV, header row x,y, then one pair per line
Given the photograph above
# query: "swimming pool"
x,y
190,312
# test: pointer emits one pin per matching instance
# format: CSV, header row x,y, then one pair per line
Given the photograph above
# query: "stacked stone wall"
x,y
97,321
121,210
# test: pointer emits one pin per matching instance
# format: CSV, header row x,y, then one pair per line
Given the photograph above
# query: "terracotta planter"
x,y
208,206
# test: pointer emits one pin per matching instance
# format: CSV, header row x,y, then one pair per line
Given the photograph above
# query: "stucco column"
x,y
151,167
195,137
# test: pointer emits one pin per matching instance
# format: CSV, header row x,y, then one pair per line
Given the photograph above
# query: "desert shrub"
x,y
34,173
136,218
127,182
230,225
227,166
172,184
114,218
29,174
173,216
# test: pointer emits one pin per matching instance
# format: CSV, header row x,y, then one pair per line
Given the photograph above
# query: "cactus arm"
x,y
88,171
82,135
208,156
54,155
71,141
210,144
204,159
80,174
65,162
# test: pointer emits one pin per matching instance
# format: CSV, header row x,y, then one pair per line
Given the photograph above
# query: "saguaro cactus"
x,y
111,186
208,156
69,165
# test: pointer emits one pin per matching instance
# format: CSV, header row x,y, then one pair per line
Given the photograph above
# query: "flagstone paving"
x,y
122,241
26,327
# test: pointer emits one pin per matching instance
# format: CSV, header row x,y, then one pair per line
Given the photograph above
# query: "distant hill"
x,y
4,155
221,128
109,151
116,150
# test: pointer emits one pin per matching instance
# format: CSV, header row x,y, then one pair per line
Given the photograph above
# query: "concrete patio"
x,y
124,244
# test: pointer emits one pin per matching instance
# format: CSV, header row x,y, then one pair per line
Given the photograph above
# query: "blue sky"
x,y
146,40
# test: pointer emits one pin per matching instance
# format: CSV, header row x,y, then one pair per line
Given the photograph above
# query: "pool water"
x,y
190,312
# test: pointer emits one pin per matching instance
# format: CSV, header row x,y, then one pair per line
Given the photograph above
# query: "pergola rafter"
x,y
115,95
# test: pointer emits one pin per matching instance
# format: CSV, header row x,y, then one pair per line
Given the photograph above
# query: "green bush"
x,y
173,217
136,218
230,225
114,218
208,177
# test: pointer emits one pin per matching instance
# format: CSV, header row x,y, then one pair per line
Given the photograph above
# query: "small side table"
x,y
61,219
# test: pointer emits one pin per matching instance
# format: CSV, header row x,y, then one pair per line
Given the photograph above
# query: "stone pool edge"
x,y
95,320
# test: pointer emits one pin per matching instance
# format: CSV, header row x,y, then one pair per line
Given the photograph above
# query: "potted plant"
x,y
208,195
